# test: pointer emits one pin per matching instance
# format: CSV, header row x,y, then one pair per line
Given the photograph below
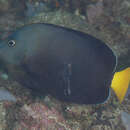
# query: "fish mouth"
x,y
1,44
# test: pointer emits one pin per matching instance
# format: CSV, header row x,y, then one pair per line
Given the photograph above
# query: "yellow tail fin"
x,y
120,83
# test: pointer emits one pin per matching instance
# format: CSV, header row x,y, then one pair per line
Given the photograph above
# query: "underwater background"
x,y
107,20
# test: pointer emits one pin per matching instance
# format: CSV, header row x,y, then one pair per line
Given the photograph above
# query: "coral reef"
x,y
38,116
107,20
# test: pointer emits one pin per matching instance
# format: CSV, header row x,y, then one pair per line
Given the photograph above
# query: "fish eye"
x,y
11,43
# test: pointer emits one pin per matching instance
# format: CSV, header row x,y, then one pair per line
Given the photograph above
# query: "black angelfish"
x,y
70,65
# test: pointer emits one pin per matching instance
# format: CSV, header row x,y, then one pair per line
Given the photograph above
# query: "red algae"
x,y
37,116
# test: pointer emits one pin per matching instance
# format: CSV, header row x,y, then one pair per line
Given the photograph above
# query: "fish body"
x,y
70,65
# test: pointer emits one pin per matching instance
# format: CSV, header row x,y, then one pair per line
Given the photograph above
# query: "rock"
x,y
4,5
94,11
38,116
126,120
33,8
6,96
2,116
13,7
11,14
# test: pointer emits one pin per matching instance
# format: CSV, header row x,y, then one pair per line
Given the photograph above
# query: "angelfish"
x,y
69,65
